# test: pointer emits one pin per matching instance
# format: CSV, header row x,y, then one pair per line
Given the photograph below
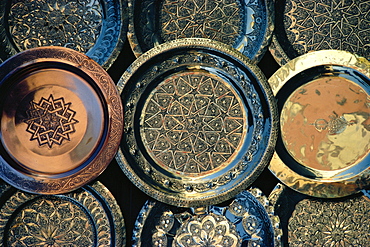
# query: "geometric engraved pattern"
x,y
73,24
193,123
50,121
214,19
323,24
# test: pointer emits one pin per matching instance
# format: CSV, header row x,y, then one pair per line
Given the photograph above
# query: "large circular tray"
x,y
89,216
200,122
244,25
248,220
97,28
61,120
324,142
305,26
308,221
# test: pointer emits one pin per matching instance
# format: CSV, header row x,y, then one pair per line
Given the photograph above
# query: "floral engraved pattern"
x,y
50,121
193,123
324,24
210,230
214,19
73,24
328,223
51,222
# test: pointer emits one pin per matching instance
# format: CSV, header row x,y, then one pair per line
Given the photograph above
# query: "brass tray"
x,y
324,142
244,25
61,120
200,122
89,216
97,28
247,220
308,221
305,26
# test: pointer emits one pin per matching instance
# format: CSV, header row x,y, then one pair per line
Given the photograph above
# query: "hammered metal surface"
x,y
199,122
245,25
247,220
94,27
89,216
304,26
323,147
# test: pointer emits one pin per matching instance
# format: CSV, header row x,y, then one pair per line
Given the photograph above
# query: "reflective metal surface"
x,y
324,143
245,25
305,26
90,216
248,220
308,221
94,27
200,122
61,120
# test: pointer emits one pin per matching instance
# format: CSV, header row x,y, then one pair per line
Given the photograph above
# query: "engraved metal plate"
x,y
97,28
200,122
89,216
244,25
61,120
248,220
305,26
324,142
308,221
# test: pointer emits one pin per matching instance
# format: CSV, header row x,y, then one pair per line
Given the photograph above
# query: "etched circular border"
x,y
66,182
175,191
306,185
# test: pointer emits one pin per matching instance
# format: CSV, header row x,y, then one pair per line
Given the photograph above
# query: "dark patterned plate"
x,y
246,25
304,26
97,28
61,120
308,221
200,122
89,216
248,220
323,149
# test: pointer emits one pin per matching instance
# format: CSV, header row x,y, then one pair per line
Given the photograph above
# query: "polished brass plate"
x,y
89,216
200,122
60,120
324,104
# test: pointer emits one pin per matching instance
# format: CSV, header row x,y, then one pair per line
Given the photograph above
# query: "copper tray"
x,y
97,28
308,221
89,216
244,25
248,220
200,122
61,120
305,26
324,142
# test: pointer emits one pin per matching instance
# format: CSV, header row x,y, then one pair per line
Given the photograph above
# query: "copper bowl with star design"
x,y
60,120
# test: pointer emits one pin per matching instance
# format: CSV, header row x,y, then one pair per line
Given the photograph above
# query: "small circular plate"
x,y
324,142
305,26
308,221
97,28
248,220
200,122
89,216
244,25
61,120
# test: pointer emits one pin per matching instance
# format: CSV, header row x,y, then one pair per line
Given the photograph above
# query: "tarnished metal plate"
x,y
244,25
324,142
61,120
305,26
248,220
200,122
97,28
308,221
89,216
